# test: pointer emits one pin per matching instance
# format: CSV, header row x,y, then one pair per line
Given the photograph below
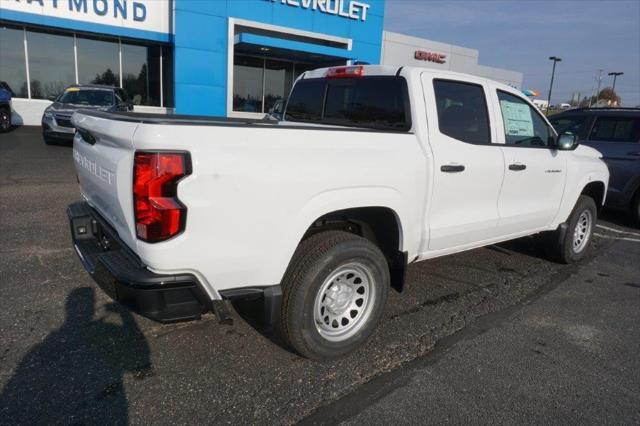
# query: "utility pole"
x,y
600,71
615,75
553,72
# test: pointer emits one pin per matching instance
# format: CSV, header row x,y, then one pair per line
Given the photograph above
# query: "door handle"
x,y
517,167
452,168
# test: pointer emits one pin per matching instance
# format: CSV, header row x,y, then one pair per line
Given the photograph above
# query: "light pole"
x,y
553,72
615,75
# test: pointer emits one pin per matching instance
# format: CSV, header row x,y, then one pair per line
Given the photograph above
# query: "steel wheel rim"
x,y
344,302
582,231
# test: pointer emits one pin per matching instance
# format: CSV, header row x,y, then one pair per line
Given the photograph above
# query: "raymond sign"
x,y
438,58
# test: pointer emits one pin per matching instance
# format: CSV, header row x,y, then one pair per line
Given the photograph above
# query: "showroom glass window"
x,y
51,64
141,73
247,83
98,61
278,77
13,70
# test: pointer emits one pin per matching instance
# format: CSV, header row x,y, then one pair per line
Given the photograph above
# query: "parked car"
x,y
372,168
56,120
5,107
615,132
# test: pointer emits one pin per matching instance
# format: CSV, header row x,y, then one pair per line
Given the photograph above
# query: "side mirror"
x,y
52,98
566,142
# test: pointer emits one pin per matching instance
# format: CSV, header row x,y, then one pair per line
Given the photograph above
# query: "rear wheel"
x,y
572,245
335,290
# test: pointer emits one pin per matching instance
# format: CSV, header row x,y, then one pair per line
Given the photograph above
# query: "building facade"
x,y
204,57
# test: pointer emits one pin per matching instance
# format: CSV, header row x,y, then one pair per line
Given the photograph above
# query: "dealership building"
x,y
204,57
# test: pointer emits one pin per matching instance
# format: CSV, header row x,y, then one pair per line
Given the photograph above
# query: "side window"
x,y
523,125
462,111
305,102
616,129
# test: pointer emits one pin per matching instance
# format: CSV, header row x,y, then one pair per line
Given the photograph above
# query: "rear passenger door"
x,y
618,140
535,172
468,167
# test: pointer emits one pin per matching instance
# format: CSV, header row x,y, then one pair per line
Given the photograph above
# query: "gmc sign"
x,y
438,58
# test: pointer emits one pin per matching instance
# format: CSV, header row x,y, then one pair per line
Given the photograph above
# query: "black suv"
x,y
615,132
56,120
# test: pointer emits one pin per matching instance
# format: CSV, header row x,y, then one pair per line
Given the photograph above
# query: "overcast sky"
x,y
521,34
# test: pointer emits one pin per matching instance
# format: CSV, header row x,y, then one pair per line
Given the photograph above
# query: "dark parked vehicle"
x,y
56,120
5,107
615,132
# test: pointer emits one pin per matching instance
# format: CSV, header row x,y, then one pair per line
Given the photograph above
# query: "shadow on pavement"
x,y
75,375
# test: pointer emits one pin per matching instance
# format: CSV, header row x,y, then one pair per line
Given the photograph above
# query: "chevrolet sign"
x,y
345,8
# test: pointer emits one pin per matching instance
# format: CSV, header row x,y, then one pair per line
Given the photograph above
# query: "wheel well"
x,y
380,225
595,190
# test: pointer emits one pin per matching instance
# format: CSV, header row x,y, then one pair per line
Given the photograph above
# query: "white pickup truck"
x,y
372,168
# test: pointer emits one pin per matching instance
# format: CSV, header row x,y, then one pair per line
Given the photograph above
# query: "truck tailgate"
x,y
103,152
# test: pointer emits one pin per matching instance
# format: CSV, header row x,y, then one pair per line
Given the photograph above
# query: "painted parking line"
x,y
618,231
612,237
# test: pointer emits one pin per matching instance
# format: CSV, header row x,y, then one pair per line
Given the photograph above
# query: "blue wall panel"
x,y
201,31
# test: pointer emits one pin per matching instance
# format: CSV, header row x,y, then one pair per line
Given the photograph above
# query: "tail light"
x,y
159,214
345,72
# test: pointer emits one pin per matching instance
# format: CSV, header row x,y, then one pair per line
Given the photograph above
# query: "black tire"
x,y
5,120
315,261
635,210
560,245
48,140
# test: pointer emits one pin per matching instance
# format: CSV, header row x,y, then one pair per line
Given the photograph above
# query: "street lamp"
x,y
615,75
553,72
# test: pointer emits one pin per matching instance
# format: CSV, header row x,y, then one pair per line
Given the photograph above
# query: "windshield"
x,y
571,125
93,97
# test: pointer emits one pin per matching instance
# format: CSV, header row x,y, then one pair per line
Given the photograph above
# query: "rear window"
x,y
369,102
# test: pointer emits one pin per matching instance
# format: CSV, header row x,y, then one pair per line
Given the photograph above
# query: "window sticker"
x,y
517,119
72,89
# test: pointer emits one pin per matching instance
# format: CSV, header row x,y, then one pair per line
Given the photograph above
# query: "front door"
x,y
468,167
535,173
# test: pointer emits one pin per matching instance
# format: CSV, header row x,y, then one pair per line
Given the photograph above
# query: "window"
x,y
51,64
247,83
572,125
305,102
372,102
167,76
462,111
523,125
141,73
98,62
278,78
376,102
13,70
89,97
147,68
616,129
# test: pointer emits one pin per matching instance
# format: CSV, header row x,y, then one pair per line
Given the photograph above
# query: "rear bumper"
x,y
121,274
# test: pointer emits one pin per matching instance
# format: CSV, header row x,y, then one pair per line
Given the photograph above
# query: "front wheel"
x,y
5,120
335,290
572,245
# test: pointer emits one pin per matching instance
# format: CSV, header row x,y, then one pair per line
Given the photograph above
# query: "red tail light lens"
x,y
345,72
159,213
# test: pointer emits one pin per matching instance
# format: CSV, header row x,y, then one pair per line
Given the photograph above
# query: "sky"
x,y
520,35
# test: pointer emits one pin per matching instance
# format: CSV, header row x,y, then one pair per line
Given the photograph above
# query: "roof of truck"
x,y
374,70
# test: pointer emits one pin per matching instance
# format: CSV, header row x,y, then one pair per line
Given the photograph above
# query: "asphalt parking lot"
x,y
70,355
